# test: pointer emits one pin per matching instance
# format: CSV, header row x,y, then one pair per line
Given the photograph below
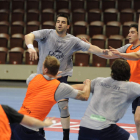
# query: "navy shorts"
x,y
113,132
135,103
63,79
20,132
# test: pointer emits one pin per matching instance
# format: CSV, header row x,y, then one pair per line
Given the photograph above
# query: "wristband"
x,y
30,46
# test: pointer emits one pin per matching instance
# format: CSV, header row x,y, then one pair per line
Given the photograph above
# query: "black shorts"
x,y
63,79
113,132
135,103
20,132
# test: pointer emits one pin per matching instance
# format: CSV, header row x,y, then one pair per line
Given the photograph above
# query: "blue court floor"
x,y
14,97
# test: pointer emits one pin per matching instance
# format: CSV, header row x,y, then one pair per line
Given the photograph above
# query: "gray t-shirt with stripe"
x,y
49,43
109,102
63,91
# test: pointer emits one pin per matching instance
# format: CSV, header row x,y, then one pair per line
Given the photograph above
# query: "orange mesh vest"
x,y
5,131
39,97
134,65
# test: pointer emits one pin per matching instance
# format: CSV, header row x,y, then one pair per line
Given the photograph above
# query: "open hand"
x,y
49,121
32,54
114,51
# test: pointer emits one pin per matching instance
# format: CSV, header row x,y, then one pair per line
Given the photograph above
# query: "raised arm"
x,y
29,39
84,94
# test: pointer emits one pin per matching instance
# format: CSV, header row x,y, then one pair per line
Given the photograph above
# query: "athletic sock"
x,y
66,134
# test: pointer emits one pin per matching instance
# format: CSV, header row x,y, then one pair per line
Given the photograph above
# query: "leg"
x,y
136,111
65,118
64,112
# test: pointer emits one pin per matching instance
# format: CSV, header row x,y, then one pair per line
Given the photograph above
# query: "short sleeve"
x,y
81,45
92,85
123,48
134,89
65,91
30,78
13,115
41,34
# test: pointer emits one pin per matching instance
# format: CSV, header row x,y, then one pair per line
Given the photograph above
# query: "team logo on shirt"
x,y
74,126
58,54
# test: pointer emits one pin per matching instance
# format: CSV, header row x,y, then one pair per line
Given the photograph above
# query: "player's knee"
x,y
63,108
131,138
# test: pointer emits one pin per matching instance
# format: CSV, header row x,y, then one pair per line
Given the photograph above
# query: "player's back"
x,y
109,102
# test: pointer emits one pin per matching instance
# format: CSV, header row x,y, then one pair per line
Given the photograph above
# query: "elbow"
x,y
26,36
29,36
85,98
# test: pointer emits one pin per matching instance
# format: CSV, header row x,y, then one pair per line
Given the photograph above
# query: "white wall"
x,y
21,72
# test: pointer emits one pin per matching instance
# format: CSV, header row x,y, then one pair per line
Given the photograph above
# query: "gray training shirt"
x,y
63,91
49,43
109,102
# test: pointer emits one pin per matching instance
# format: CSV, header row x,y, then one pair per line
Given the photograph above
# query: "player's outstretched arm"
x,y
35,123
29,38
128,56
78,86
104,53
96,50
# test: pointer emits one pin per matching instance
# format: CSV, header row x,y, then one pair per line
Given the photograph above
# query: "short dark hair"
x,y
65,16
135,26
52,64
120,70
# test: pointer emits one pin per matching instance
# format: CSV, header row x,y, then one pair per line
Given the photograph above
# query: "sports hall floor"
x,y
12,93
